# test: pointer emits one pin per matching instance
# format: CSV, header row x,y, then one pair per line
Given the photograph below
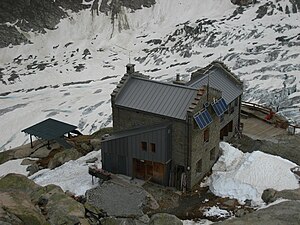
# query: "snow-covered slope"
x,y
69,73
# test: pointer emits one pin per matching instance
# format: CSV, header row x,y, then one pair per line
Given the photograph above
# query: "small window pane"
x,y
152,147
213,154
206,135
199,166
144,146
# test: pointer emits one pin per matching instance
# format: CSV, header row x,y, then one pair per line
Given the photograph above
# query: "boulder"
x,y
62,157
27,162
118,200
164,219
24,202
144,219
6,156
41,152
230,202
96,211
17,208
271,195
17,182
283,213
92,160
240,213
22,152
62,209
32,169
96,143
86,147
289,194
59,207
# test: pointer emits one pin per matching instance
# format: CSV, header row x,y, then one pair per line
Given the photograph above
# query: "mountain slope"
x,y
69,72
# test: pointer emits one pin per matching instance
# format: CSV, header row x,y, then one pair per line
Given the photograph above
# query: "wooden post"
x,y
48,147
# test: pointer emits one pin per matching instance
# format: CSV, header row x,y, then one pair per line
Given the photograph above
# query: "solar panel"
x,y
220,107
203,119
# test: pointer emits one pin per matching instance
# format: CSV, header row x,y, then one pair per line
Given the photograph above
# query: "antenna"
x,y
207,86
208,80
129,57
129,53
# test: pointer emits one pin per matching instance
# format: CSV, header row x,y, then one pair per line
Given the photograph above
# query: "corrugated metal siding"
x,y
219,80
129,147
156,97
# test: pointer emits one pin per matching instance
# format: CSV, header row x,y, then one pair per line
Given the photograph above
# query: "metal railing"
x,y
279,120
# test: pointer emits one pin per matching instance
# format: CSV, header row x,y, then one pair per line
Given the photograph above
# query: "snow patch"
x,y
215,211
13,166
72,176
246,175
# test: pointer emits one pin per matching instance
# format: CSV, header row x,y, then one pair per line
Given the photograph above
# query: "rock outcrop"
x,y
42,15
281,214
271,195
164,218
24,202
243,2
62,157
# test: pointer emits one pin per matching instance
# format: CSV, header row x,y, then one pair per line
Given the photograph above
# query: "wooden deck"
x,y
260,130
258,127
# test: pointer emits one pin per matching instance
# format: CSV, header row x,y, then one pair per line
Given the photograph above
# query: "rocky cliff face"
x,y
20,16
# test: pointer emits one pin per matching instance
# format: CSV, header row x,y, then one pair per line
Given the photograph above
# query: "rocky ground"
x,y
287,146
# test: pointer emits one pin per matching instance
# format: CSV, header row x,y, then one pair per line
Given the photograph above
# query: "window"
x,y
199,166
231,107
206,135
212,154
152,147
236,102
144,146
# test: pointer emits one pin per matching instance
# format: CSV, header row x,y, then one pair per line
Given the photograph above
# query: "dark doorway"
x,y
148,170
122,164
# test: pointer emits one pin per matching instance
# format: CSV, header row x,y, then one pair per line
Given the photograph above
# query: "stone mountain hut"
x,y
169,133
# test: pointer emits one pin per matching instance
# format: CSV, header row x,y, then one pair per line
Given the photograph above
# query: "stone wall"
x,y
200,148
234,117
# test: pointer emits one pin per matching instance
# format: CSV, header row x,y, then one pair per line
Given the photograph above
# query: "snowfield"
x,y
68,73
246,175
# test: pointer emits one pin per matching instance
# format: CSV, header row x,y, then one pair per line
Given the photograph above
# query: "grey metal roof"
x,y
156,97
49,129
135,131
220,80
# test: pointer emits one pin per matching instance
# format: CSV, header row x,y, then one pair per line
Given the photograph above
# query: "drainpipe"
x,y
189,149
240,110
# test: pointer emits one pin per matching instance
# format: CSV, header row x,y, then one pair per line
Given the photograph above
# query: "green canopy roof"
x,y
49,129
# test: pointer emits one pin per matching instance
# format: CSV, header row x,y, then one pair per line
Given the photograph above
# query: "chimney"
x,y
130,68
178,80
